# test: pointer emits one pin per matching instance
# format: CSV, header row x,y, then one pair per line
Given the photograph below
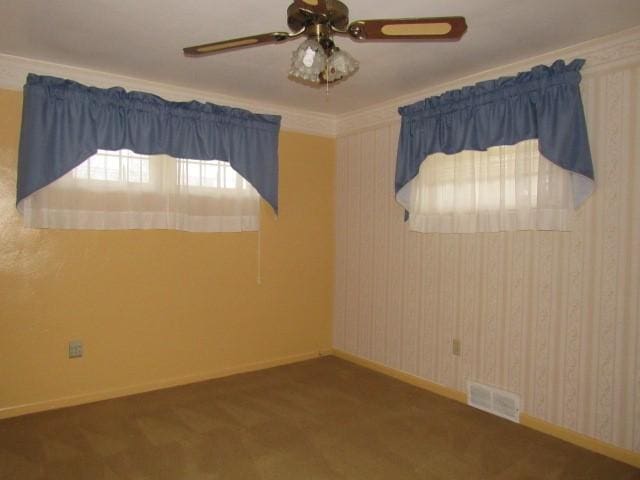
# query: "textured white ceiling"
x,y
144,39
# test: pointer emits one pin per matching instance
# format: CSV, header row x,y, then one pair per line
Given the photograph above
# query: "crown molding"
x,y
602,53
14,70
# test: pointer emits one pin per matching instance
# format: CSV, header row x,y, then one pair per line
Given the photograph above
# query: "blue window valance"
x,y
543,103
64,123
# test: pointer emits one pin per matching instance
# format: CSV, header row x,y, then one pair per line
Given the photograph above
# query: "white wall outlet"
x,y
75,349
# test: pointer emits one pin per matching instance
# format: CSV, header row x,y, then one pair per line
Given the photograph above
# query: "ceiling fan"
x,y
318,58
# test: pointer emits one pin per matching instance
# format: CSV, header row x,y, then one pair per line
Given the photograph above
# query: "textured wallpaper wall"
x,y
552,316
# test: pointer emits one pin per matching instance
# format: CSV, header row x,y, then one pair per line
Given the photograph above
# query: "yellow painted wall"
x,y
159,307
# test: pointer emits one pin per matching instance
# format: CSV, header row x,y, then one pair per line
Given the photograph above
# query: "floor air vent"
x,y
493,400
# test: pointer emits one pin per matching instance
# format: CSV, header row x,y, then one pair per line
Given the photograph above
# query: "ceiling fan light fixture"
x,y
339,65
318,59
308,61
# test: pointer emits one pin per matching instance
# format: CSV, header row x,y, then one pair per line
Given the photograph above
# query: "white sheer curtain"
x,y
505,188
123,190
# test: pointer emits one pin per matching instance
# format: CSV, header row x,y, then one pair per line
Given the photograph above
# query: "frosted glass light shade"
x,y
308,61
339,65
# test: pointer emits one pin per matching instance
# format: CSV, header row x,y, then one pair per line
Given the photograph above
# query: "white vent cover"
x,y
493,400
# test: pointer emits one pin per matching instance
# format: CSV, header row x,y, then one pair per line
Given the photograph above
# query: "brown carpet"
x,y
321,419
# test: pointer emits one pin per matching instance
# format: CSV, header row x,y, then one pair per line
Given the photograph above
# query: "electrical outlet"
x,y
456,347
75,349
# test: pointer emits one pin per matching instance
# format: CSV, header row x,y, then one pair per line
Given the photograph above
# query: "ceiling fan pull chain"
x,y
327,76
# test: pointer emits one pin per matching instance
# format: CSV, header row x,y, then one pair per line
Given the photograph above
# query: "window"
x,y
472,181
64,120
125,166
503,188
209,174
126,190
508,184
114,166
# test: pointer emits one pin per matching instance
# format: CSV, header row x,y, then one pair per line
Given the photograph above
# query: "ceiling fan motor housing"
x,y
334,16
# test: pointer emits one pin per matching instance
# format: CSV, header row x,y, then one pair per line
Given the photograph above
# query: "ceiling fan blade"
x,y
217,47
433,28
